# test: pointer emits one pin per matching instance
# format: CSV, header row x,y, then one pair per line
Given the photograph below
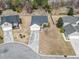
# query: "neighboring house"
x,y
14,20
71,27
36,23
39,20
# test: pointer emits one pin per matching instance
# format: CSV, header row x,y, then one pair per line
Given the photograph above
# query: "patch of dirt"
x,y
52,42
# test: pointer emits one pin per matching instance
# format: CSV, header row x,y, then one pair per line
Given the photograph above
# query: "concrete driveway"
x,y
8,37
75,45
34,41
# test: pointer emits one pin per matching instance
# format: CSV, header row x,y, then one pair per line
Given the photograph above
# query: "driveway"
x,y
75,45
8,37
34,41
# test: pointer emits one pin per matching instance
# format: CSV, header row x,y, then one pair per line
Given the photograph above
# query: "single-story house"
x,y
71,27
38,21
70,20
13,19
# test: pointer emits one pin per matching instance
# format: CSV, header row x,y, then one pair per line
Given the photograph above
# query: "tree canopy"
x,y
59,23
71,12
40,2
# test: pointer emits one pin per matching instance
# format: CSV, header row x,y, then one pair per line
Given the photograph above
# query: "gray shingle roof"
x,y
39,20
69,29
11,19
77,28
70,19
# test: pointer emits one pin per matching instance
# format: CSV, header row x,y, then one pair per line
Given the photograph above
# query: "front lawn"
x,y
52,42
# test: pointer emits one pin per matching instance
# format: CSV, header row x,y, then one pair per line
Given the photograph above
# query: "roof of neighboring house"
x,y
77,28
70,19
10,19
39,20
69,29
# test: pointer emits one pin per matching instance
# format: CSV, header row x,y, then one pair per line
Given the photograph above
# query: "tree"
x,y
34,4
59,23
47,8
0,12
71,12
1,37
39,2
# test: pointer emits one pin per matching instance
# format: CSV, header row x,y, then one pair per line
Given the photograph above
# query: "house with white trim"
x,y
71,27
39,20
35,28
13,19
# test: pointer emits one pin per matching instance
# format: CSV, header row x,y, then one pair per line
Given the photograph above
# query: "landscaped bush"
x,y
47,8
1,37
62,30
18,9
0,12
20,21
34,4
71,12
46,25
59,23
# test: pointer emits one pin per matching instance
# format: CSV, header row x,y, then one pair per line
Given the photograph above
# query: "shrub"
x,y
0,12
1,37
47,8
59,23
46,25
71,12
34,4
62,30
18,10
